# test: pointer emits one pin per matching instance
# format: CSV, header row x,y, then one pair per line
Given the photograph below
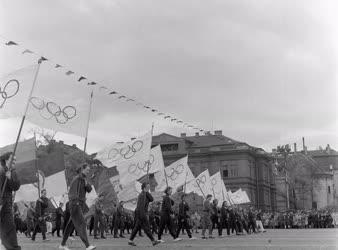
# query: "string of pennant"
x,y
84,79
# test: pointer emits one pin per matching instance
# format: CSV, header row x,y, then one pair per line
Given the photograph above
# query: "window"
x,y
329,189
169,147
225,173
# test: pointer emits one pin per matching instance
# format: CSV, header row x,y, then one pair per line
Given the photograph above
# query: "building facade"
x,y
241,165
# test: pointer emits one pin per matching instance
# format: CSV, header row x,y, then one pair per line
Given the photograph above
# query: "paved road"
x,y
293,239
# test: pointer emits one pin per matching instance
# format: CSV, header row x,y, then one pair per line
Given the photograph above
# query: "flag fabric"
x,y
25,160
57,103
217,187
91,197
156,160
240,197
130,191
131,158
14,91
54,184
201,184
177,174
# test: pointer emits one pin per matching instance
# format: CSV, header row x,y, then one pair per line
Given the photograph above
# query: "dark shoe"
x,y
96,238
131,243
121,236
103,237
45,240
116,237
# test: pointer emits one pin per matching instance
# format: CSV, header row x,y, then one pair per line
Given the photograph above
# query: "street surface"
x,y
292,239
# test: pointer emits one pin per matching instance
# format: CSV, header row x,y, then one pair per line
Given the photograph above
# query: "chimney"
x,y
304,147
183,134
61,142
74,146
197,134
295,147
328,149
218,132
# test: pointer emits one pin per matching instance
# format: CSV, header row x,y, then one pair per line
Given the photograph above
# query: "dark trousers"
x,y
118,224
225,224
216,224
141,222
166,221
252,224
76,220
57,228
7,230
183,224
40,225
233,226
99,224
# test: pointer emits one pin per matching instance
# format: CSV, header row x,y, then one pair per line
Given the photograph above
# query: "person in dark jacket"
x,y
40,217
77,205
119,220
215,220
7,227
99,223
183,217
141,215
224,219
58,217
166,216
206,217
252,220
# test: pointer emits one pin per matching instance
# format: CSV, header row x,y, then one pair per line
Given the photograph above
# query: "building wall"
x,y
240,168
323,192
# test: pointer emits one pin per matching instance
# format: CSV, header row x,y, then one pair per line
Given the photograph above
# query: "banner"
x,y
177,174
217,185
240,197
131,158
156,160
55,185
200,185
130,191
25,160
14,91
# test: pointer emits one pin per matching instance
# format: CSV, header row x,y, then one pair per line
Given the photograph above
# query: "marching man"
x,y
7,227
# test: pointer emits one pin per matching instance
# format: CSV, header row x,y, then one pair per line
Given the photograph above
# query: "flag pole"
x,y
148,162
88,119
200,188
36,165
22,123
185,182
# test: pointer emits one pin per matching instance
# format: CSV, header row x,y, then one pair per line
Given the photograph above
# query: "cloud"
x,y
261,71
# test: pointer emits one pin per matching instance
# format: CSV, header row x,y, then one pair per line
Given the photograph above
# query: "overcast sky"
x,y
264,72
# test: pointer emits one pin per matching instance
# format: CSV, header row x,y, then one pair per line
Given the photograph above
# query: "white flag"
x,y
131,158
178,173
217,187
201,184
14,91
156,160
130,191
91,197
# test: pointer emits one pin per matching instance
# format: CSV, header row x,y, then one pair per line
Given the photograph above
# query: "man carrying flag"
x,y
7,226
141,215
77,204
40,220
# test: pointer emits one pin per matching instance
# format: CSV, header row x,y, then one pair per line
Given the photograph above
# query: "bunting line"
x,y
81,78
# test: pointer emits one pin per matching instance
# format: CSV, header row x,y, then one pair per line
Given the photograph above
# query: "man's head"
x,y
6,158
43,193
168,191
145,186
83,169
209,197
61,205
215,202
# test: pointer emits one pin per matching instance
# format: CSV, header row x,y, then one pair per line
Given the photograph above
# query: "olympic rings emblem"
x,y
213,182
49,110
10,90
126,152
175,172
201,180
139,170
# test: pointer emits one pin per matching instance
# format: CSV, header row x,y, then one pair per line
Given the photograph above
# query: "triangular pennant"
x,y
168,116
42,59
81,78
69,72
27,51
58,66
9,43
92,83
121,96
113,93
